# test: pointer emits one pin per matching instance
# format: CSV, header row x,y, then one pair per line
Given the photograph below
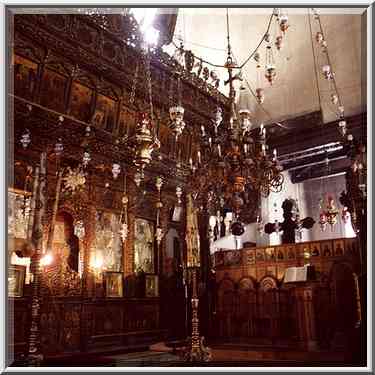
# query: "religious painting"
x,y
259,255
326,248
53,90
291,253
127,122
249,257
315,249
232,258
105,113
18,214
270,254
113,284
152,286
16,280
280,254
271,271
107,246
81,102
338,246
143,246
280,272
25,77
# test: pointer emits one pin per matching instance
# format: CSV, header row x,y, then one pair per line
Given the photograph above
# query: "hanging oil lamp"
x,y
326,69
116,170
59,147
259,93
270,66
145,143
319,37
334,99
279,42
342,127
322,216
176,113
331,212
283,22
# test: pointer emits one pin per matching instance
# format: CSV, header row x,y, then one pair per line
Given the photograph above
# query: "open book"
x,y
295,274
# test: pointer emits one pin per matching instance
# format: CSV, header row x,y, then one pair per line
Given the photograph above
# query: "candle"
x,y
261,129
199,157
275,153
210,141
191,162
264,150
245,148
219,150
203,132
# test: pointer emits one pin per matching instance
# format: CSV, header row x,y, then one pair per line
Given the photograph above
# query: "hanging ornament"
x,y
257,56
260,225
283,22
326,69
331,212
116,170
279,42
145,142
178,194
342,127
334,99
319,37
176,113
322,216
245,120
259,93
86,158
25,138
79,229
341,110
270,66
59,147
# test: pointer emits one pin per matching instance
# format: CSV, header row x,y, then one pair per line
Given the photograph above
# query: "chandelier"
x,y
234,163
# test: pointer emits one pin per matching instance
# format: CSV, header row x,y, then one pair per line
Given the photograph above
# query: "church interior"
x,y
187,187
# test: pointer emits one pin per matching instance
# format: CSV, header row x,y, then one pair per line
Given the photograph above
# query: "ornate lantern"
x,y
331,212
176,115
145,143
270,73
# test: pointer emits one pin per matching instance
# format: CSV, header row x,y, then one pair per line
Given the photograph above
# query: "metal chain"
x,y
149,82
179,94
171,93
132,93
